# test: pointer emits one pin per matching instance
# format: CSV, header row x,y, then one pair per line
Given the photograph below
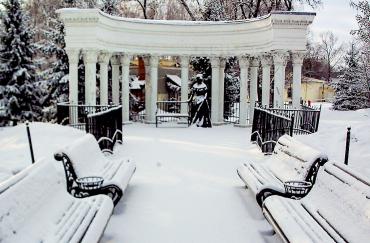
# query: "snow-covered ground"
x,y
186,188
46,138
331,137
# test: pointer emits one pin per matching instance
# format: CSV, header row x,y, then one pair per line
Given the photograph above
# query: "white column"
x,y
244,68
73,58
103,64
222,90
148,88
125,62
90,60
266,79
297,78
215,63
115,79
153,88
184,83
279,80
253,88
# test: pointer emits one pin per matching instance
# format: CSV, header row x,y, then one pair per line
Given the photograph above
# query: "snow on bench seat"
x,y
337,209
291,160
88,160
35,207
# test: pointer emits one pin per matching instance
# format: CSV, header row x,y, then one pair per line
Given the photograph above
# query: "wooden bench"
x,y
83,158
164,111
337,209
35,207
291,160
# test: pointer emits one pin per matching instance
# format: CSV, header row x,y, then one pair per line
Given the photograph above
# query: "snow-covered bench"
x,y
83,158
291,160
35,207
336,209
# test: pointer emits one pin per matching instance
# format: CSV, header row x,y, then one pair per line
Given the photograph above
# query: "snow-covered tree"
x,y
54,78
110,7
350,89
19,92
214,11
363,35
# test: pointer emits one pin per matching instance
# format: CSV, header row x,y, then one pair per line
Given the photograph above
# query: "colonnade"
x,y
249,69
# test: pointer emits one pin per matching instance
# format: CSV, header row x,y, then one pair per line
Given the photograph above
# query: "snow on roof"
x,y
135,83
175,79
312,80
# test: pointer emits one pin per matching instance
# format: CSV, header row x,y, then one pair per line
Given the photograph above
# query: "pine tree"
x,y
350,89
54,78
19,92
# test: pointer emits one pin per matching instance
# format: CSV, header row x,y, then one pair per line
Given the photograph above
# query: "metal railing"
x,y
173,112
306,118
232,112
106,126
75,115
268,127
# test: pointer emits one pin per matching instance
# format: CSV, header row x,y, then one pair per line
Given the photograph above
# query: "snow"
x,y
46,139
331,137
185,188
174,78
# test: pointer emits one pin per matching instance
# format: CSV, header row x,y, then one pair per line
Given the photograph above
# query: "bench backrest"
x,y
86,156
340,200
292,160
24,199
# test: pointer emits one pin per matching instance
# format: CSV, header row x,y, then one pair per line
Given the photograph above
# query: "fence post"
x,y
30,142
347,145
291,129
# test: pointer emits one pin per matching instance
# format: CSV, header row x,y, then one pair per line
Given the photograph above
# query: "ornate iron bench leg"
x,y
112,191
266,192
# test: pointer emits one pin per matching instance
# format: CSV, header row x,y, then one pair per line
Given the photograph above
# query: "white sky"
x,y
336,16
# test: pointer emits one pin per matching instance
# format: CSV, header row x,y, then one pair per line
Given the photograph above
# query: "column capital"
x,y
184,61
244,61
104,58
255,62
146,60
266,60
153,61
90,56
297,57
114,60
73,55
223,62
215,62
125,59
280,57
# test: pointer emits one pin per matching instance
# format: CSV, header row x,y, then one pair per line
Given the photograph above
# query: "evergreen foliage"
x,y
18,91
350,89
54,79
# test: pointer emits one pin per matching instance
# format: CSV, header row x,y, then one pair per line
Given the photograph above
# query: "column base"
x,y
182,122
243,125
216,124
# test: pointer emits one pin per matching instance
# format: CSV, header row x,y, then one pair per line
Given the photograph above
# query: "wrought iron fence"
x,y
232,112
75,115
170,111
268,127
106,126
306,119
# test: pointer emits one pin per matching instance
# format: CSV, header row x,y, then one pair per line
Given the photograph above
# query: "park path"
x,y
186,188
